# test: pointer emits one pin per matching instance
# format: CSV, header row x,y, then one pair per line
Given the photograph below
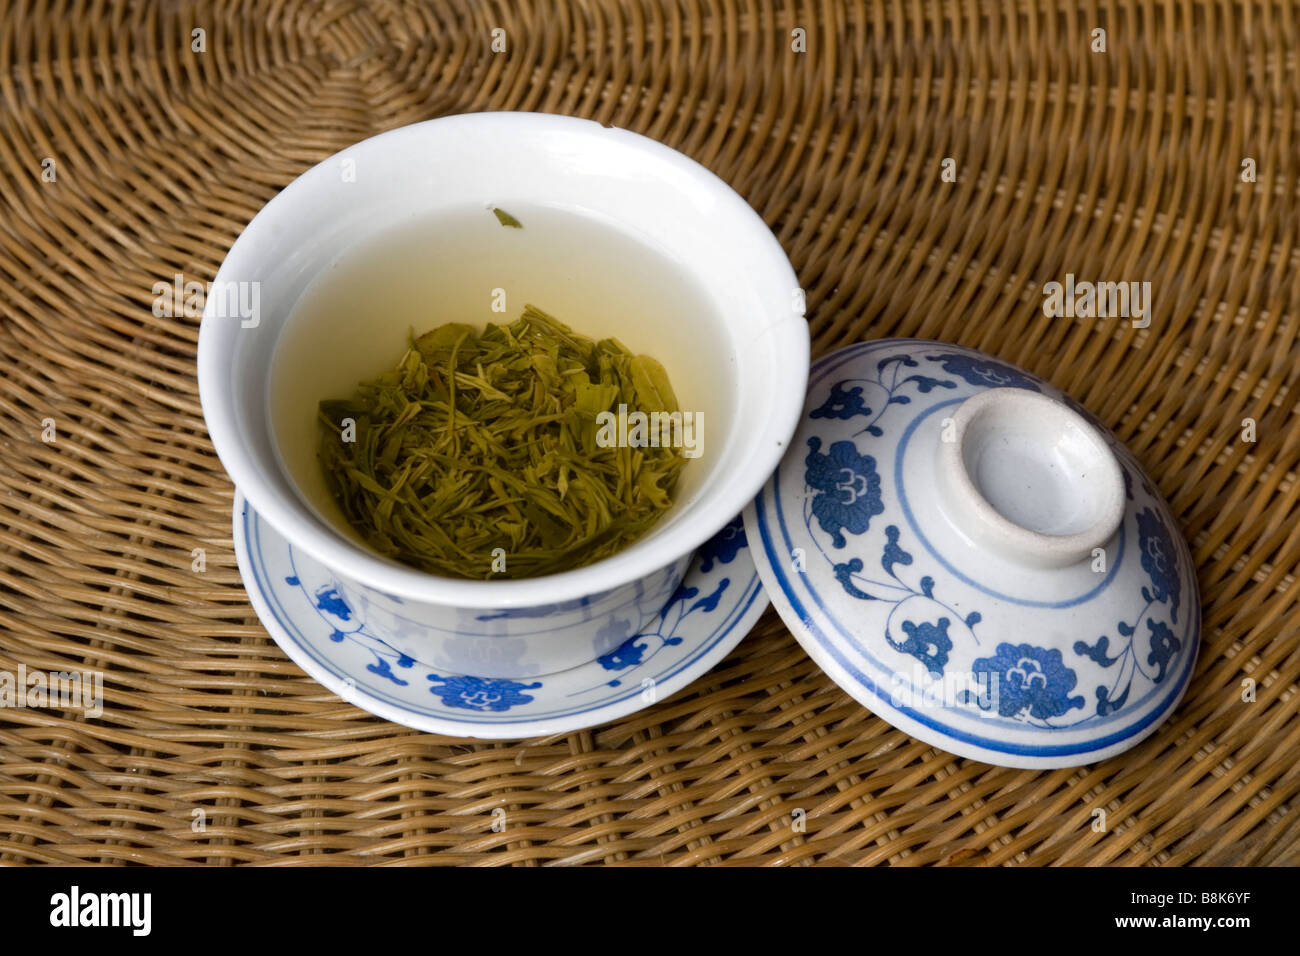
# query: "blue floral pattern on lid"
x,y
848,488
1032,682
1159,560
983,371
956,647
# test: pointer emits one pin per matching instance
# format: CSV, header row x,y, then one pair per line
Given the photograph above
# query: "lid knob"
x,y
1029,478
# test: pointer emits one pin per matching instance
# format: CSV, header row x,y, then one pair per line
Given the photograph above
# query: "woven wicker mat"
x,y
1135,163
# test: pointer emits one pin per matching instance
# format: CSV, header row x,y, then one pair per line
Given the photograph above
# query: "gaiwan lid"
x,y
972,556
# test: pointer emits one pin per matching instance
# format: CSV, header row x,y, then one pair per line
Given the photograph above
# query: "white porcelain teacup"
x,y
515,627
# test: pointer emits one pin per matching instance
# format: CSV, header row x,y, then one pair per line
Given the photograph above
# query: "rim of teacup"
x,y
761,304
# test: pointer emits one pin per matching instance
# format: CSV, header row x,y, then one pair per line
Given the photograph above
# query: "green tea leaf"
x,y
653,391
593,398
506,219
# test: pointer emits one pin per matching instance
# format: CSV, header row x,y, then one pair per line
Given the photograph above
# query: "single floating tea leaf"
x,y
653,391
482,440
506,219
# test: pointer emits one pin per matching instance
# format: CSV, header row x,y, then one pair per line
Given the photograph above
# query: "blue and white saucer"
x,y
898,590
718,602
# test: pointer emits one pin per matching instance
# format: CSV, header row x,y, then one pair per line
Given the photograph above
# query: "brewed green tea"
x,y
478,265
495,453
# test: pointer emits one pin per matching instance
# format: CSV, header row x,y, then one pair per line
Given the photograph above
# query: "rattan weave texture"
x,y
1129,164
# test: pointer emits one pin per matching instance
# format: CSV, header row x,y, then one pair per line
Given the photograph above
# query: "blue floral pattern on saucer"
x,y
301,605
